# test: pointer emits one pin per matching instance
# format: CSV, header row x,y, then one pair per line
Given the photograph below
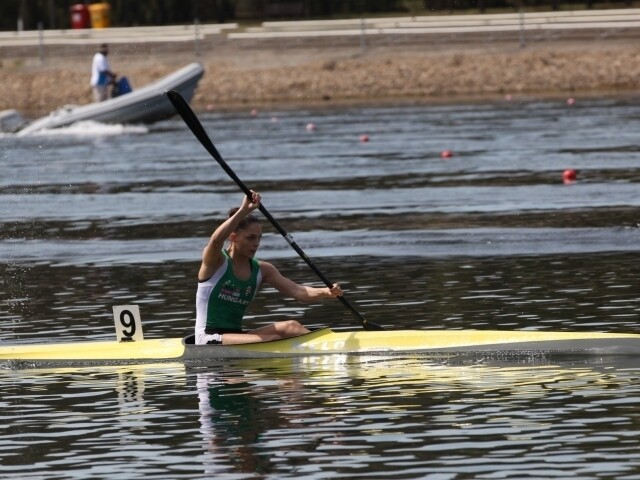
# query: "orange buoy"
x,y
446,154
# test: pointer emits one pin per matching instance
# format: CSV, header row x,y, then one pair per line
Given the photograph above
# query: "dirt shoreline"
x,y
260,77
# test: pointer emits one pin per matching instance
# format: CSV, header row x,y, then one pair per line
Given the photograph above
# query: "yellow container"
x,y
99,13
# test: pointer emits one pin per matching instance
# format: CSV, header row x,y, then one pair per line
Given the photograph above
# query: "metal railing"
x,y
520,27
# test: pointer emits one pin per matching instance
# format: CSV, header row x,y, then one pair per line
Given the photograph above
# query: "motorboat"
x,y
147,104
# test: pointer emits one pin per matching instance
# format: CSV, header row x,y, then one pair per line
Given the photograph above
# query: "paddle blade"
x,y
372,327
184,110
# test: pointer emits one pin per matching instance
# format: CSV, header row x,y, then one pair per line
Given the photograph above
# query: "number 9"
x,y
128,321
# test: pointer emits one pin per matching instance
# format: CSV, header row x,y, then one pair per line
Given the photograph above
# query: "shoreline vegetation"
x,y
272,76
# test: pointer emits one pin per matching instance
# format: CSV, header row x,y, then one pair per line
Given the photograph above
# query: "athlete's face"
x,y
247,241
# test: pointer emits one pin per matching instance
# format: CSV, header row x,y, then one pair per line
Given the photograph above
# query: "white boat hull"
x,y
145,105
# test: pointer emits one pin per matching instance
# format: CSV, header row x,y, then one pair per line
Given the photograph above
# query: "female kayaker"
x,y
229,279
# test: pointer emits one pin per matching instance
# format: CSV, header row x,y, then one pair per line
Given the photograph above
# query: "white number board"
x,y
128,323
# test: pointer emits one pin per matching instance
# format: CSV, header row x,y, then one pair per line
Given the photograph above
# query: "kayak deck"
x,y
156,349
327,341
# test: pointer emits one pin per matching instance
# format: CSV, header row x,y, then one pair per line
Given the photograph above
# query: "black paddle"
x,y
183,108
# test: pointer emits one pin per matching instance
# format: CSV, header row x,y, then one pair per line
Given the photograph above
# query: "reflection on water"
x,y
307,417
419,417
76,422
490,238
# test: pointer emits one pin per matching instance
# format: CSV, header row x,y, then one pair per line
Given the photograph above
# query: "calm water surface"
x,y
94,216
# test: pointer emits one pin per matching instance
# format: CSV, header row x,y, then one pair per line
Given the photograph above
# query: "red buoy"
x,y
364,138
446,154
311,127
569,175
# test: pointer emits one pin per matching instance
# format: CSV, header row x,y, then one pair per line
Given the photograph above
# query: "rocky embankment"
x,y
276,77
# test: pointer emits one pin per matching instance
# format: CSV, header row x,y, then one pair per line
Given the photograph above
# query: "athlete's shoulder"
x,y
266,267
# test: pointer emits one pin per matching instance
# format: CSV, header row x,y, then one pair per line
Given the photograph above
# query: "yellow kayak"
x,y
327,341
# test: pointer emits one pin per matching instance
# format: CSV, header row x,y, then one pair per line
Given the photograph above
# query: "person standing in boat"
x,y
101,74
229,278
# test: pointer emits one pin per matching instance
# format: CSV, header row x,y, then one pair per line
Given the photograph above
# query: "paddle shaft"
x,y
183,108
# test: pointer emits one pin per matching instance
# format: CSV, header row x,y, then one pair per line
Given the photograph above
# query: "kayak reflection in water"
x,y
230,422
229,279
234,428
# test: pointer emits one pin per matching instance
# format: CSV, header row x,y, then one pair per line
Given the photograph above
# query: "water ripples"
x,y
488,239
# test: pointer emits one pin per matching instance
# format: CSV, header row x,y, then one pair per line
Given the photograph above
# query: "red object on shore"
x,y
80,17
446,154
569,175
